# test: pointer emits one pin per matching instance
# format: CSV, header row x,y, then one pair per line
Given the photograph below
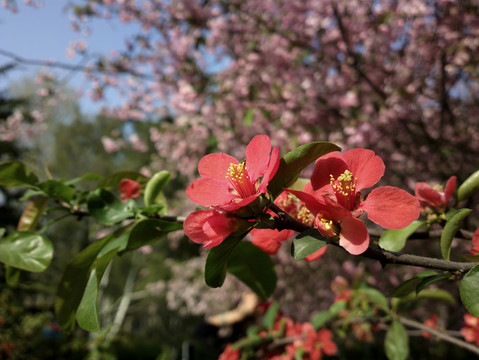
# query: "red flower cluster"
x,y
432,323
228,185
470,331
334,198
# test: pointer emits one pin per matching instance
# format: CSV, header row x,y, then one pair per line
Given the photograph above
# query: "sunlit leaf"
x,y
395,240
319,320
295,161
396,343
468,187
32,214
254,268
307,243
469,291
450,229
154,187
26,250
14,173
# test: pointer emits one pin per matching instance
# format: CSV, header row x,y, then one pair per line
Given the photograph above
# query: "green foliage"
x,y
254,268
468,187
26,250
295,161
107,208
469,291
395,240
452,226
396,343
307,243
14,173
148,231
155,186
418,283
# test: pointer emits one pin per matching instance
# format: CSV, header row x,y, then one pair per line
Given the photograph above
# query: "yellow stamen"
x,y
239,179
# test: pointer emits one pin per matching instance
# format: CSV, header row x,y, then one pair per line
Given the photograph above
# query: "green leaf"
x,y
107,208
12,275
430,280
57,190
215,265
450,229
469,291
254,268
295,161
468,187
86,177
26,250
77,280
14,173
405,288
32,214
113,181
248,117
376,297
319,320
307,243
148,231
154,187
269,318
88,315
395,240
396,343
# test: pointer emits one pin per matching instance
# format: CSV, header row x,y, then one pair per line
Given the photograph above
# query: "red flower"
x,y
210,227
229,184
475,242
334,198
435,197
229,353
471,329
270,240
130,189
432,323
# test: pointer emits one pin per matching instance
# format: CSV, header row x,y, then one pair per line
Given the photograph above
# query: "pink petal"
x,y
424,192
324,167
257,156
449,190
193,225
209,192
365,165
390,207
215,165
354,236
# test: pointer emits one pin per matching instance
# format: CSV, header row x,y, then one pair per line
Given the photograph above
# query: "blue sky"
x,y
45,33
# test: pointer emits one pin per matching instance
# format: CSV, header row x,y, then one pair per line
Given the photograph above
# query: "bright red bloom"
x,y
270,240
334,198
229,353
475,242
471,329
210,227
229,184
130,189
435,197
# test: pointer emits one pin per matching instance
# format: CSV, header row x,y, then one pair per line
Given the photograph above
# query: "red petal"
x,y
130,189
209,192
257,156
449,190
324,167
215,165
424,192
316,255
193,225
365,165
271,171
390,207
270,240
354,236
